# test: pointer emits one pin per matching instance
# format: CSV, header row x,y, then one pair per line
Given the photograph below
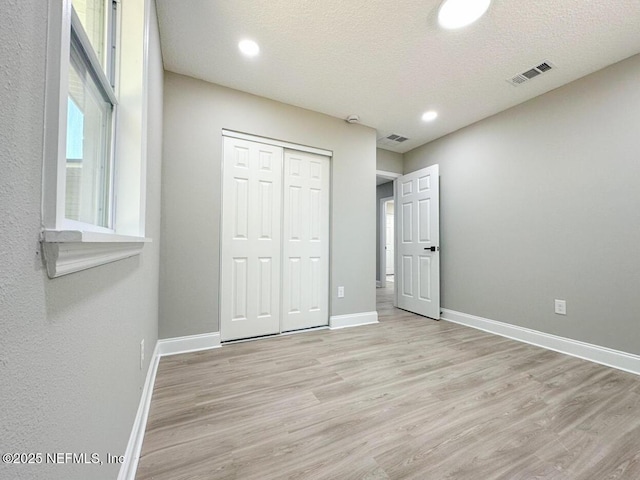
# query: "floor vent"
x,y
392,140
530,74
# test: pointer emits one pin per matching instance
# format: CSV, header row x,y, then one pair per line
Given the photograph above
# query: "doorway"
x,y
388,240
385,224
414,256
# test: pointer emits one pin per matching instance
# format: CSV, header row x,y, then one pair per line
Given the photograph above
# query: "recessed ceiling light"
x,y
460,13
249,48
429,116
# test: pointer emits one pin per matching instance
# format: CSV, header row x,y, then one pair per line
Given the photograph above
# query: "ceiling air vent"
x,y
397,138
530,74
392,140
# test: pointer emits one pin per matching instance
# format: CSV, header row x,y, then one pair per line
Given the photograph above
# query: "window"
x,y
91,108
94,167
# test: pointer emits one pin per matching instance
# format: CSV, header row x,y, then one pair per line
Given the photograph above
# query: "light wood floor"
x,y
407,398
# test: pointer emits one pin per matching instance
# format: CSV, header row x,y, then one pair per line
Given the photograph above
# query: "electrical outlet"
x,y
340,292
141,353
561,307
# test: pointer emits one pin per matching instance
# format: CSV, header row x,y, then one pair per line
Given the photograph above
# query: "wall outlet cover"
x,y
560,307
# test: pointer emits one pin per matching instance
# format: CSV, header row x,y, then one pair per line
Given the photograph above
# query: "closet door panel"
x,y
305,285
251,241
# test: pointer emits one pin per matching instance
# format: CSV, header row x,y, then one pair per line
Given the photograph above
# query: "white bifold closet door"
x,y
275,240
305,254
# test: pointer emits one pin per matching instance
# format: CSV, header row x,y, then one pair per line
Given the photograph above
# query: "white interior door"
x,y
418,242
251,242
305,271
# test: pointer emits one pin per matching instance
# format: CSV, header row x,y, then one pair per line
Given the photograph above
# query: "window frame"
x,y
106,85
68,245
83,59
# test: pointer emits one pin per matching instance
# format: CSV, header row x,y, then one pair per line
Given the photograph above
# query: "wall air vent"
x,y
530,74
392,140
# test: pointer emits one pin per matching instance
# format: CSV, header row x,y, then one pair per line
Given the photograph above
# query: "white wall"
x,y
69,347
542,202
195,114
389,161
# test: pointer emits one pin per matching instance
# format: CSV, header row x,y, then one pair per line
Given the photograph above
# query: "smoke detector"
x,y
353,119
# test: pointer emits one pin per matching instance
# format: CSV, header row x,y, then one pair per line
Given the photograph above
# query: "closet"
x,y
274,259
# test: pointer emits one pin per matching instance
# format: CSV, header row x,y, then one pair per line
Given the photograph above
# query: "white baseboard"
x,y
164,347
353,320
627,362
190,343
134,447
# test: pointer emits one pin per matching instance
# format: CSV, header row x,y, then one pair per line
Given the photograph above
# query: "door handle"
x,y
433,249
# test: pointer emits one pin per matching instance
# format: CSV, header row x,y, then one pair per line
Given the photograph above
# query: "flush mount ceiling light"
x,y
460,13
249,48
429,116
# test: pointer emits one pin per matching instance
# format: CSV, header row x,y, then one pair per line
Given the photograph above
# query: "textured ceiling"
x,y
388,61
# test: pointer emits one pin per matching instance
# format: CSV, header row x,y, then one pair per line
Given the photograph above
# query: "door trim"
x,y
388,175
277,143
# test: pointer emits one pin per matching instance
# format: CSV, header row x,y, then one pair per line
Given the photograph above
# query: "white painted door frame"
x,y
382,239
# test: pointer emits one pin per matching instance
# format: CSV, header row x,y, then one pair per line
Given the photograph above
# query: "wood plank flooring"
x,y
409,398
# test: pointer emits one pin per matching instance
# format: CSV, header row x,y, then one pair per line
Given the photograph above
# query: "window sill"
x,y
69,251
